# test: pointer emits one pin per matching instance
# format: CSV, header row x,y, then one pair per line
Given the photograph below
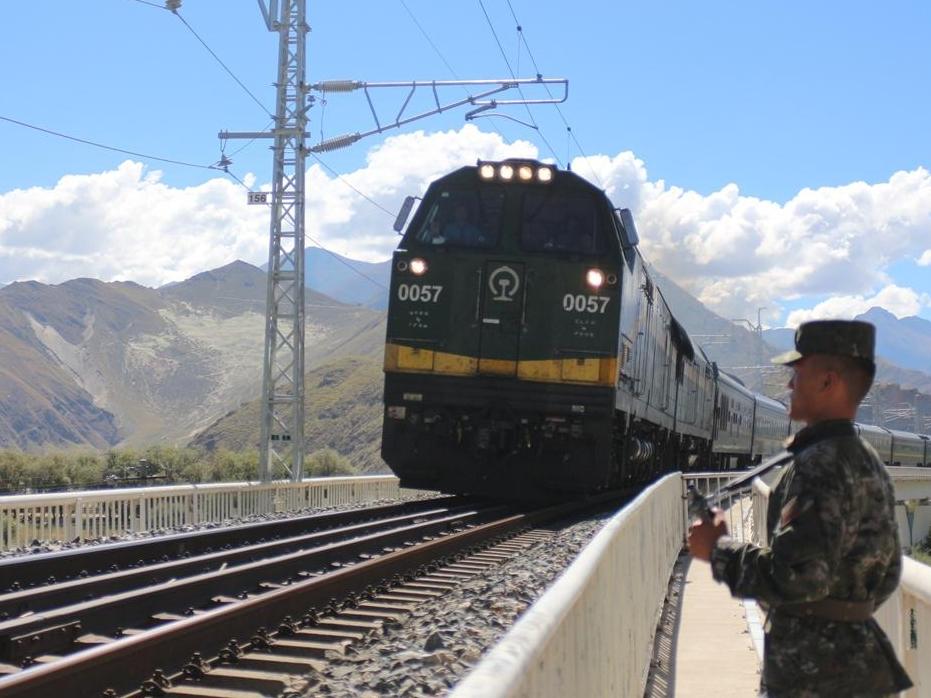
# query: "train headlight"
x,y
506,172
486,171
419,266
593,277
545,174
525,173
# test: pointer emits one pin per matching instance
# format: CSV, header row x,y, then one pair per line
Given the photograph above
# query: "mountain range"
x,y
93,363
100,364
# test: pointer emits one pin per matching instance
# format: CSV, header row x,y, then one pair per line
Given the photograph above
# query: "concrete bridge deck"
x,y
708,643
594,633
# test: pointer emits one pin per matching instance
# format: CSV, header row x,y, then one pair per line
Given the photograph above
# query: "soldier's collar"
x,y
819,431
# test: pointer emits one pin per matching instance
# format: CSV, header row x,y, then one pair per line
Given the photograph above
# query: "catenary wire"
x,y
507,62
348,184
430,41
442,57
523,38
108,147
316,157
224,66
210,167
320,244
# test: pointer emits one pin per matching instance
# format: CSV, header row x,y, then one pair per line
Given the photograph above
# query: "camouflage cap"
x,y
838,337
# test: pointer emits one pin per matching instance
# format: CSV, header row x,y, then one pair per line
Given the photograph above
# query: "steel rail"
x,y
57,629
122,665
34,570
43,598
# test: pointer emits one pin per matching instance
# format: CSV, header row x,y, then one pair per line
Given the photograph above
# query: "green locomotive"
x,y
528,351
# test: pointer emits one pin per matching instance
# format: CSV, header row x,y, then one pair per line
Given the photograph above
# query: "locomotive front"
x,y
501,351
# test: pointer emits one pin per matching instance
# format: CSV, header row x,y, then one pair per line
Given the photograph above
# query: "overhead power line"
x,y
346,264
523,39
430,41
256,100
507,62
222,64
96,144
348,184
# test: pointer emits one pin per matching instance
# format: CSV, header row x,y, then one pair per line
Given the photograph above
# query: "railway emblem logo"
x,y
504,282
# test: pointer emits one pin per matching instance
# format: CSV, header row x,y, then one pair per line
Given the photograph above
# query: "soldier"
x,y
833,554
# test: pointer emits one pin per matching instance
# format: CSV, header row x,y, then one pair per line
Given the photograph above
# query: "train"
x,y
529,352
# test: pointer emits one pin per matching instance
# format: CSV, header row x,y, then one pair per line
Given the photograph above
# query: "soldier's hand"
x,y
703,534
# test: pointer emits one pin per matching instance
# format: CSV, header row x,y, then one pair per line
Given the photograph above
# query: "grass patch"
x,y
922,551
920,555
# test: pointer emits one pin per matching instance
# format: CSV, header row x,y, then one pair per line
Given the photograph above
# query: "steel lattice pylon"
x,y
283,377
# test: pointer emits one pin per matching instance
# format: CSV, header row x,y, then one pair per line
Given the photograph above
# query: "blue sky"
x,y
774,98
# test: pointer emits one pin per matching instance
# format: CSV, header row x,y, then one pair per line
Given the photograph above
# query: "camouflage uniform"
x,y
833,535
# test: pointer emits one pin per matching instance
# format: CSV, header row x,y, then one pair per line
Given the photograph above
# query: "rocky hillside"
x,y
343,412
94,363
99,364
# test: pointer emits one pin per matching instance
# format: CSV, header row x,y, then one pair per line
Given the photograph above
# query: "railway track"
x,y
249,627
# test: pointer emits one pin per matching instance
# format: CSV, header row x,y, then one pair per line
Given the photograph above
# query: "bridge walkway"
x,y
707,643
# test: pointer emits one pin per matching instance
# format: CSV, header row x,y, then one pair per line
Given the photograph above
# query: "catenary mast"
x,y
282,439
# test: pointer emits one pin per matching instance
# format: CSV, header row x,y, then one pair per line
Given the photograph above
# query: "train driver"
x,y
461,230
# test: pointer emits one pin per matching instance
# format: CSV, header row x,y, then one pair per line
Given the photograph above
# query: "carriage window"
x,y
464,218
561,222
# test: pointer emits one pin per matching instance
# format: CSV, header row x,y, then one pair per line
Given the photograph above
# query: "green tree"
x,y
120,464
327,463
13,470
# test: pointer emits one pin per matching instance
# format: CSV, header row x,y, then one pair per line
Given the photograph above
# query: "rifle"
x,y
702,506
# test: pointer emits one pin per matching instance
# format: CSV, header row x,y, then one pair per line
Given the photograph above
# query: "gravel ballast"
x,y
439,643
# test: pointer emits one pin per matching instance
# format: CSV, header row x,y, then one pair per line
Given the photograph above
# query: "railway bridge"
x,y
630,617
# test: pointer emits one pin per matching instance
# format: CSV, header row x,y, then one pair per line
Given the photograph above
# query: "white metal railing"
x,y
737,506
100,513
591,634
906,619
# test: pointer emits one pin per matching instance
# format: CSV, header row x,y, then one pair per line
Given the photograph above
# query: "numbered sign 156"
x,y
258,197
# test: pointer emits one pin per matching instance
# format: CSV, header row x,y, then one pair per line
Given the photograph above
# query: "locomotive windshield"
x,y
464,218
559,221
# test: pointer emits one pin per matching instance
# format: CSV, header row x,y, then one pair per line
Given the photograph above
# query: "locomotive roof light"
x,y
595,278
516,170
418,266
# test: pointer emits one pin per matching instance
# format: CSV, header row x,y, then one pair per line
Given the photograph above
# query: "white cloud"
x,y
738,253
898,300
125,224
128,224
735,252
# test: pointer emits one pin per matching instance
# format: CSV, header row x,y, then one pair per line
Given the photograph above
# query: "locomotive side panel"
x,y
734,406
907,449
879,438
770,427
